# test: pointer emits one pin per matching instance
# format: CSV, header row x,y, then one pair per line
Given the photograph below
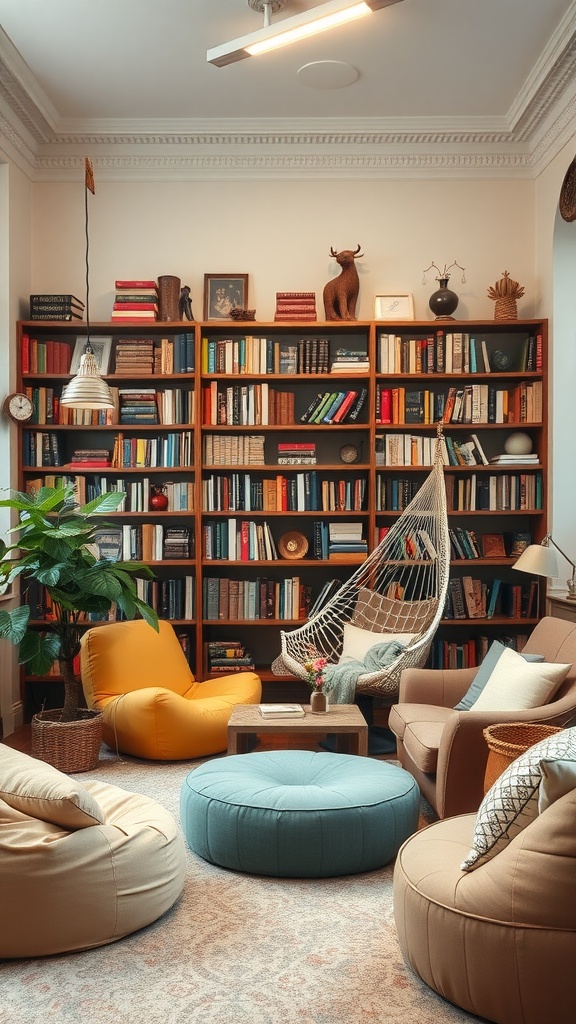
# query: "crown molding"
x,y
516,146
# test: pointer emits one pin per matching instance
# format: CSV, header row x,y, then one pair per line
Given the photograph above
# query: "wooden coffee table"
x,y
344,720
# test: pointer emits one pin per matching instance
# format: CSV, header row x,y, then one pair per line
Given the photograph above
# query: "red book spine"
x,y
135,305
135,284
386,406
25,353
341,412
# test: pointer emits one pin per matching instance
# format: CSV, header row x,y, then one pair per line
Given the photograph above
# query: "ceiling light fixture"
x,y
290,30
87,390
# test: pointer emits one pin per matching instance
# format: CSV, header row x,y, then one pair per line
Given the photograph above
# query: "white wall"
x,y
15,242
556,261
280,233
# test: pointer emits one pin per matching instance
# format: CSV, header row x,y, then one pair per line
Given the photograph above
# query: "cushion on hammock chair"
x,y
379,613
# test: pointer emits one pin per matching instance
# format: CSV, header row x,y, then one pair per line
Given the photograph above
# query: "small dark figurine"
x,y
185,304
341,293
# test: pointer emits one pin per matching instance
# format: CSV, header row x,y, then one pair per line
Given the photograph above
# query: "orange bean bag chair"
x,y
153,707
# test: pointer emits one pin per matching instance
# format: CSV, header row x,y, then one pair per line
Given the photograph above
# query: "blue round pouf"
x,y
298,813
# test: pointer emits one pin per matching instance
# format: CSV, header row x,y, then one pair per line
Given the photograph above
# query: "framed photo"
x,y
223,292
394,307
102,350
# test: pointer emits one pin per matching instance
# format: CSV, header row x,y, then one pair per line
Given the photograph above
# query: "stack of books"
x,y
134,356
292,453
532,459
56,307
345,542
177,543
138,405
90,458
228,656
350,361
135,301
295,306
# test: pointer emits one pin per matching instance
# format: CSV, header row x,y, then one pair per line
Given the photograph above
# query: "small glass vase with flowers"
x,y
316,681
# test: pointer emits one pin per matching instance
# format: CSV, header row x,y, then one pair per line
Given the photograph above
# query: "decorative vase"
x,y
318,703
443,301
158,499
169,297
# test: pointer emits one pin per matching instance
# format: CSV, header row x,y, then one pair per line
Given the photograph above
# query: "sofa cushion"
x,y
484,672
512,802
516,685
422,738
558,778
41,791
357,642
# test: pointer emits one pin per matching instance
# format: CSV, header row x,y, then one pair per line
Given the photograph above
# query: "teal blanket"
x,y
341,679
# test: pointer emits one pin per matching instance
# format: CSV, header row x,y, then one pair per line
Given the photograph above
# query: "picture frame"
x,y
394,306
102,351
223,292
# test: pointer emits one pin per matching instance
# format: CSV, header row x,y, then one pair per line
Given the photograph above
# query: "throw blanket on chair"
x,y
341,678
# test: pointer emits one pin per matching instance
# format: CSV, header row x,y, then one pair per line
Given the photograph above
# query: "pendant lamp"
x,y
87,390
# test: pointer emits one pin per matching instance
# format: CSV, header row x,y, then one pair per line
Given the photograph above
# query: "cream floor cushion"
x,y
68,886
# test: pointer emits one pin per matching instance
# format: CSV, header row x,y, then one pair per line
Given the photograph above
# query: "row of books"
x,y
408,450
238,541
295,306
171,406
246,405
171,599
350,360
144,356
301,492
56,307
503,493
474,403
445,351
259,598
250,354
179,494
468,653
233,450
147,542
170,451
335,406
393,494
465,544
471,598
227,656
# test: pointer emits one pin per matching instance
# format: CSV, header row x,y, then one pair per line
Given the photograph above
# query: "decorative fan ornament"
x,y
567,202
504,294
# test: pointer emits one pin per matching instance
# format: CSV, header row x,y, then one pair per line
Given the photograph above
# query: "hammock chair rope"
x,y
401,587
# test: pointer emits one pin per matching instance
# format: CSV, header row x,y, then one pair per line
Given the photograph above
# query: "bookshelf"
x,y
246,455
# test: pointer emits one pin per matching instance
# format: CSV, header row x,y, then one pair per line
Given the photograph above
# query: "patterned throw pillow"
x,y
512,802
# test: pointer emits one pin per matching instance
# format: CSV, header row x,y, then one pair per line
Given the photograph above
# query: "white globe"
x,y
518,444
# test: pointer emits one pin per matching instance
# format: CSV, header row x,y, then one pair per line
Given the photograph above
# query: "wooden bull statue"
x,y
341,293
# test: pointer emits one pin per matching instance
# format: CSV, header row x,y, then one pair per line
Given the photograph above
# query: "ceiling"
x,y
494,75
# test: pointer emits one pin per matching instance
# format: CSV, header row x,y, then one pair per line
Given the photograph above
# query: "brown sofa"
x,y
444,749
499,941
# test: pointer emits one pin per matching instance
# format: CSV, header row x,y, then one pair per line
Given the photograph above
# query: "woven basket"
x,y
507,741
68,746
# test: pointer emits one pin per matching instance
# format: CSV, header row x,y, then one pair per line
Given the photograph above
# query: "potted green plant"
x,y
54,544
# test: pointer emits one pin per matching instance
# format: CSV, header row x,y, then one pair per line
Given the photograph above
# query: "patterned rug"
x,y
235,948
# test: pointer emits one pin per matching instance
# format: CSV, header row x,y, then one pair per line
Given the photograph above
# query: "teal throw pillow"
x,y
484,672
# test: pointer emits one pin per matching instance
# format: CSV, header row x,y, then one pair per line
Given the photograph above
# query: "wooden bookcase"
x,y
366,492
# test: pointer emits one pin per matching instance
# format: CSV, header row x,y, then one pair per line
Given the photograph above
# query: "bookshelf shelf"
x,y
205,443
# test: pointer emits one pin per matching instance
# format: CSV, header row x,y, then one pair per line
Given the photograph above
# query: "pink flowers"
x,y
315,673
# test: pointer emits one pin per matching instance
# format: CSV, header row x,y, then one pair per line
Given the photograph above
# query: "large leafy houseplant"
x,y
52,546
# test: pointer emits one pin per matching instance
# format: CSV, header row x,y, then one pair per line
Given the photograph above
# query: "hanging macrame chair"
x,y
400,588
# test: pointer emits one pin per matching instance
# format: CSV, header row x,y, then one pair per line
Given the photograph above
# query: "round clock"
x,y
18,407
349,453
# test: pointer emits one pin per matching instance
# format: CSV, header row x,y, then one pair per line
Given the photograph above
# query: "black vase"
x,y
443,302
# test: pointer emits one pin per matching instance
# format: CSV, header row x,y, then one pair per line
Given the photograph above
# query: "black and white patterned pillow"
x,y
512,802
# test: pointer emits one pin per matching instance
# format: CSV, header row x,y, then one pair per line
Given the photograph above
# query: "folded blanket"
x,y
341,679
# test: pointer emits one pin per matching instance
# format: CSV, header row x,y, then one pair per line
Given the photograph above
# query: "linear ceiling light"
x,y
290,30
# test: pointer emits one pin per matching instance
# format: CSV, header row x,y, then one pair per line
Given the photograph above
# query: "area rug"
x,y
235,948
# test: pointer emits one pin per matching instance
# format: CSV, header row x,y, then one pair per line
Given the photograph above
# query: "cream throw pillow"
x,y
357,642
41,791
516,685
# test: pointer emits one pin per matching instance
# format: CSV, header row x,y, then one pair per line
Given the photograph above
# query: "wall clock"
x,y
18,407
349,453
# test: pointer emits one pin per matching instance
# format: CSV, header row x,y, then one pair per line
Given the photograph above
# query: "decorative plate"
x,y
349,453
293,545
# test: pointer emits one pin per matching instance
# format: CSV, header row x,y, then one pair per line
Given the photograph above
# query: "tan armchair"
x,y
444,749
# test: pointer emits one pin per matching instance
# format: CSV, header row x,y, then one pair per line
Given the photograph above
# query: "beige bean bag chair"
x,y
80,864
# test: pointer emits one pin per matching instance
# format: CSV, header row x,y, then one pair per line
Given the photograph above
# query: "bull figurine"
x,y
341,293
